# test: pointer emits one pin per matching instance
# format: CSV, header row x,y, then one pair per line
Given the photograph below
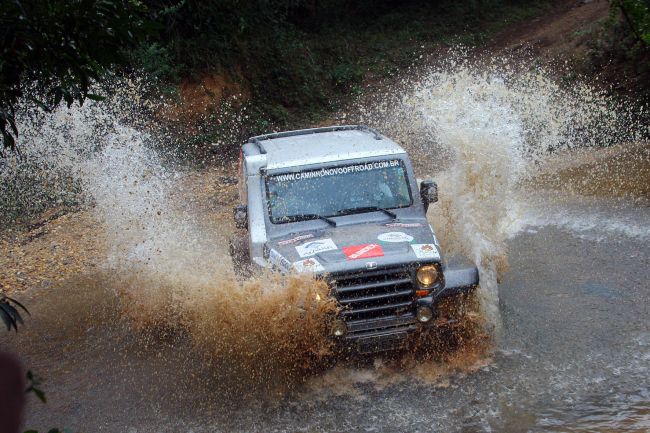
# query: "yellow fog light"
x,y
427,275
424,314
339,328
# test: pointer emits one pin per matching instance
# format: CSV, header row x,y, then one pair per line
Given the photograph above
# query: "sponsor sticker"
x,y
395,237
308,265
403,225
279,261
363,251
336,171
296,239
312,248
426,251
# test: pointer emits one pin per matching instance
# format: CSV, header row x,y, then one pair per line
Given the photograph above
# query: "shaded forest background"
x,y
297,56
300,56
293,62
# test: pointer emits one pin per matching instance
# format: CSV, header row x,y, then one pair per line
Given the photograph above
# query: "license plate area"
x,y
381,343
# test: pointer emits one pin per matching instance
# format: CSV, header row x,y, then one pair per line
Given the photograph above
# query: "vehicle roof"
x,y
318,145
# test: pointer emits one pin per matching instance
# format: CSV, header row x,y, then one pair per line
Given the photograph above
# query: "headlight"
x,y
428,276
339,328
424,314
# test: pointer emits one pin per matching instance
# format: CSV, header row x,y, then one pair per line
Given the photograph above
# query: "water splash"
x,y
478,132
163,251
174,274
483,130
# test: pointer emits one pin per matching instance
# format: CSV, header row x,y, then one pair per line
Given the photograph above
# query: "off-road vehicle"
x,y
343,202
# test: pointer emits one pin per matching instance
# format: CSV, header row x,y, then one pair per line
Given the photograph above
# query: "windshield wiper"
x,y
311,216
367,209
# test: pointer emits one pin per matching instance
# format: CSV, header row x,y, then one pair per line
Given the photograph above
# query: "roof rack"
x,y
257,139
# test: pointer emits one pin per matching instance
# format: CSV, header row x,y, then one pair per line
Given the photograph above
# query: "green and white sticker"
x,y
395,237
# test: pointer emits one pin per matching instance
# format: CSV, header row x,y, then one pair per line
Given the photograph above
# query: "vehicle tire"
x,y
238,249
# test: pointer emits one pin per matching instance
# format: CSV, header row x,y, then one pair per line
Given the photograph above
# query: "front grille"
x,y
375,300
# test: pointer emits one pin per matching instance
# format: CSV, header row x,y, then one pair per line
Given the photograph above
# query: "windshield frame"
x,y
299,169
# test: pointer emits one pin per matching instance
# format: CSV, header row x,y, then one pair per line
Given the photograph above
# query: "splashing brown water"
x,y
165,229
174,275
266,334
458,343
263,335
485,129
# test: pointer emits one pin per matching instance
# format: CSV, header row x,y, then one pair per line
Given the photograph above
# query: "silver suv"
x,y
343,202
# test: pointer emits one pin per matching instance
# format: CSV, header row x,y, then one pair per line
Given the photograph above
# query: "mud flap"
x,y
461,276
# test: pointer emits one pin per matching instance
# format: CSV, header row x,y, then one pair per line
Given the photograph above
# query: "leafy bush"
x,y
62,44
300,55
9,312
637,15
346,75
156,61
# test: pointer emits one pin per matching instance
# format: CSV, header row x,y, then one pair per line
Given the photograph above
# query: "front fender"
x,y
461,276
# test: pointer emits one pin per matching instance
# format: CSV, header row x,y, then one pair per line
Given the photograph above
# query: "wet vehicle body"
x,y
343,202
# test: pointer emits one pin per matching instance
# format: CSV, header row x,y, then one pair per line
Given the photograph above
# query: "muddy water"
x,y
150,332
574,356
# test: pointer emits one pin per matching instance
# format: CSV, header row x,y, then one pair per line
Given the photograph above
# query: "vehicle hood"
x,y
355,246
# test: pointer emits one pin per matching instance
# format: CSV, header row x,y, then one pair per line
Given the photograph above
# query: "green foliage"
x,y
297,55
300,55
9,314
156,61
63,45
346,75
33,384
637,16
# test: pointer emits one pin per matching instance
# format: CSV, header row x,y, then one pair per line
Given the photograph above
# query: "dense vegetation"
x,y
620,49
300,56
62,46
297,59
636,14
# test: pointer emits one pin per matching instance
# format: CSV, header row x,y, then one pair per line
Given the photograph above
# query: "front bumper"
x,y
390,332
461,276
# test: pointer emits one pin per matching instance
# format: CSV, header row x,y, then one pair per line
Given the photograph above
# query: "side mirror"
x,y
428,193
240,215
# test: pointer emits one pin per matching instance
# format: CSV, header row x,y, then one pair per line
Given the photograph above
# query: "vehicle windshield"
x,y
337,190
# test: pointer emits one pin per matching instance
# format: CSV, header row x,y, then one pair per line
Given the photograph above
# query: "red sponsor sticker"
x,y
363,251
